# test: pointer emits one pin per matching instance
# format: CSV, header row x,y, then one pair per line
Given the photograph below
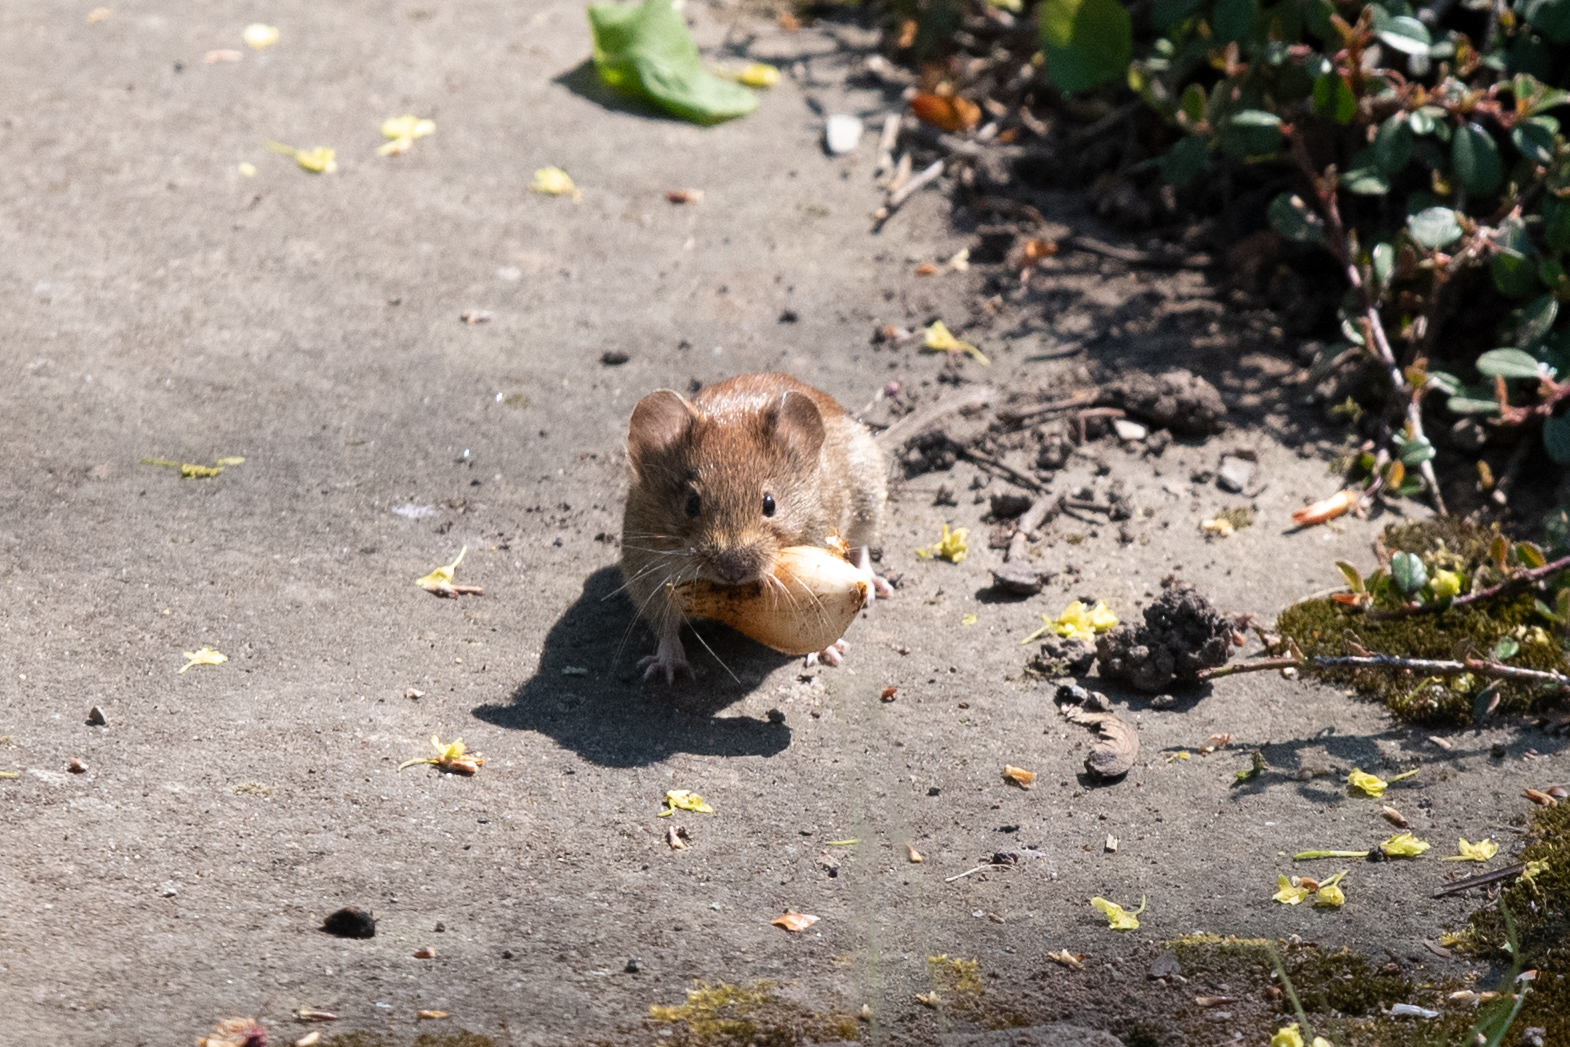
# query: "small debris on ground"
x,y
350,922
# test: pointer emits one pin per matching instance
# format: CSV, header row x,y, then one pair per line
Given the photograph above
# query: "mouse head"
x,y
730,485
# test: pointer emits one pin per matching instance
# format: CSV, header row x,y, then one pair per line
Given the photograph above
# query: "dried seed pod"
x,y
806,605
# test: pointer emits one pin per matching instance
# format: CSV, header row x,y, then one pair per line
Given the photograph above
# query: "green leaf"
x,y
1333,98
1165,14
1193,104
1186,159
1393,144
1549,17
645,50
1416,452
1366,181
1512,266
1354,580
1556,223
1473,399
1530,554
1086,42
1534,140
1234,20
1423,121
1533,97
1556,438
1475,159
1505,649
1508,363
1384,263
1251,133
1401,32
1408,571
1317,19
1536,320
1290,217
1434,228
1445,382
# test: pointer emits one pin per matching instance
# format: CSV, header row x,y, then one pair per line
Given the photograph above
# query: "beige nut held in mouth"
x,y
805,605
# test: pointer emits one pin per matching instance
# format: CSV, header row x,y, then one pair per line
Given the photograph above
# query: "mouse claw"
x,y
877,585
656,665
833,655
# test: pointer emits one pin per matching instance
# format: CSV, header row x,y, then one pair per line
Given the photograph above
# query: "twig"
x,y
967,872
886,144
931,174
1509,587
1083,398
1031,520
1428,666
1481,880
902,432
1030,483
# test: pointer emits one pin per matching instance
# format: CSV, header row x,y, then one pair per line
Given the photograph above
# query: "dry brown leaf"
x,y
926,269
1395,817
684,196
1328,509
888,694
794,921
1214,742
1541,799
430,1015
1213,1001
1074,961
913,854
426,953
676,837
946,112
1019,776
310,1014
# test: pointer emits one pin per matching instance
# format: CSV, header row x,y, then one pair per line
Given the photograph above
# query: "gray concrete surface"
x,y
159,303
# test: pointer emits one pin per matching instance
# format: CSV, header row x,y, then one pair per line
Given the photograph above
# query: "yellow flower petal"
x,y
1330,895
553,181
940,340
1368,784
1287,1036
1290,892
1403,845
1119,919
407,126
260,37
951,547
206,656
969,619
759,74
1480,851
442,576
683,800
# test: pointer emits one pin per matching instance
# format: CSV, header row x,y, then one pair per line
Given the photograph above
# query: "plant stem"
x,y
1428,666
1508,587
1374,328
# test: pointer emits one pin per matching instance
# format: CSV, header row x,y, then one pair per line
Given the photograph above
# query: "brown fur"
x,y
733,443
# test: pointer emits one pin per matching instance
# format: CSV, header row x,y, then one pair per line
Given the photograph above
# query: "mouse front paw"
x,y
833,654
665,664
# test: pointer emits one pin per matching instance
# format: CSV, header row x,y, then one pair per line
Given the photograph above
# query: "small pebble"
x,y
426,953
96,718
440,927
775,716
841,134
76,766
1163,701
633,966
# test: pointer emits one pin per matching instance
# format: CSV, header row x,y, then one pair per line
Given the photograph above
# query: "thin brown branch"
x,y
1509,872
1030,483
1427,666
1509,587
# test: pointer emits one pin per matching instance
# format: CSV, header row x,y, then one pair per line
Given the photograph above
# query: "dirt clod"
x,y
1018,579
1178,400
1182,634
350,922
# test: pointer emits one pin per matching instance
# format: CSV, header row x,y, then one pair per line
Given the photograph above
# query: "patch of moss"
x,y
1323,627
721,1014
1541,910
1347,983
955,975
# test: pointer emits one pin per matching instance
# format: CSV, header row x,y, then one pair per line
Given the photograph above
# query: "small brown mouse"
x,y
720,483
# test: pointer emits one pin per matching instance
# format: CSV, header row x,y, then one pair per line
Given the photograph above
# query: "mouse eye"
x,y
694,504
768,505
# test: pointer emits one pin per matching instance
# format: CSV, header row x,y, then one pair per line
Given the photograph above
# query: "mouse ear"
x,y
798,426
659,422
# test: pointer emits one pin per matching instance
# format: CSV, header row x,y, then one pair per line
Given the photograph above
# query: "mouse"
x,y
723,481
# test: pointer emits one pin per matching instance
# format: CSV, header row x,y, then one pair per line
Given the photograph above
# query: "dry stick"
x,y
1031,520
1508,587
1374,328
896,436
1430,666
1009,472
1083,398
903,193
1481,880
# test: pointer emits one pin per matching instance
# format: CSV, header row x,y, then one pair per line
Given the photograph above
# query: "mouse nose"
x,y
733,567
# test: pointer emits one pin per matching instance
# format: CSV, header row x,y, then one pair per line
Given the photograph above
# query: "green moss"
x,y
1323,627
1541,909
721,1014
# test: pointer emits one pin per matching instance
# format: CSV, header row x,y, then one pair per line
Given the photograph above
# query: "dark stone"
x,y
1235,474
934,791
1182,634
1178,400
1062,657
789,316
96,718
614,358
1017,579
1165,966
633,966
1006,505
775,716
350,923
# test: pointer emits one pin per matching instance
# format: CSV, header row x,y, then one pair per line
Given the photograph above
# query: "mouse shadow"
x,y
588,694
584,81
